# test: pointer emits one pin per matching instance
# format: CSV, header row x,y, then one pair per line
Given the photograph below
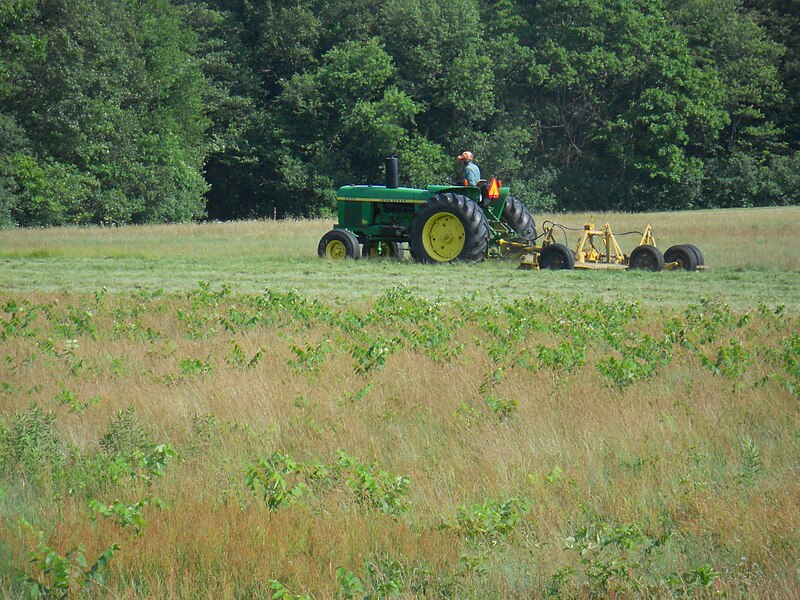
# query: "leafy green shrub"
x,y
374,355
611,555
31,445
688,583
126,437
281,592
20,318
284,308
789,360
205,296
745,180
309,358
274,480
732,360
195,366
69,398
130,452
567,357
52,575
236,356
503,408
126,515
386,577
153,462
624,560
637,361
707,320
375,487
751,460
350,586
281,481
490,521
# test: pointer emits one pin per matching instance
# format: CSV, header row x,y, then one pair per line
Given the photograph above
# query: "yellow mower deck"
x,y
597,249
600,266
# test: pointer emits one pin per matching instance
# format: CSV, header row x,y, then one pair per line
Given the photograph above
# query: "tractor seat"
x,y
483,186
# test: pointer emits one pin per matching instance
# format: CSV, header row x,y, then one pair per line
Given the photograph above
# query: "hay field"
x,y
296,428
752,255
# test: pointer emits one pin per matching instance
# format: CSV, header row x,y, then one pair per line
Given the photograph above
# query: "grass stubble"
x,y
680,482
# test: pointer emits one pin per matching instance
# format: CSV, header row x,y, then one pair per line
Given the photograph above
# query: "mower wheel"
x,y
339,244
646,258
556,256
517,216
701,259
385,250
683,255
449,227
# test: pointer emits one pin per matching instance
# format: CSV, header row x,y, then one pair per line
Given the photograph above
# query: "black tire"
x,y
339,244
701,259
517,216
683,255
382,250
555,257
646,258
447,228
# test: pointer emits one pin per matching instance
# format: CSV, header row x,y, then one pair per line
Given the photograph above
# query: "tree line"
x,y
142,111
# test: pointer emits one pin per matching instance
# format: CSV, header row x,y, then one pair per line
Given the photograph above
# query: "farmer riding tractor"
x,y
440,224
443,224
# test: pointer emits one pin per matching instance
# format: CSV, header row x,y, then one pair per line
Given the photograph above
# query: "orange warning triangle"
x,y
494,189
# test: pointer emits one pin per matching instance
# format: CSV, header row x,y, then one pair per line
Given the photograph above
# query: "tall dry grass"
x,y
667,456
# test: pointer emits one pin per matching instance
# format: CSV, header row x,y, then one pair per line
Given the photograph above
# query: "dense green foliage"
x,y
158,110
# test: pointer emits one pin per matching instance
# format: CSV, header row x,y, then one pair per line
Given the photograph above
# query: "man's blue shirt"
x,y
472,173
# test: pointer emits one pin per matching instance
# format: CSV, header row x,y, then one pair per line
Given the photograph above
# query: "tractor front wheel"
x,y
449,227
339,244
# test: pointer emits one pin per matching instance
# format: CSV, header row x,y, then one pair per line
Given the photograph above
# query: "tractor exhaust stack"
x,y
392,174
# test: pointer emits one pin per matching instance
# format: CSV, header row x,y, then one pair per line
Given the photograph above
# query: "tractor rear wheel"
x,y
339,244
683,255
386,250
556,257
517,216
449,227
646,258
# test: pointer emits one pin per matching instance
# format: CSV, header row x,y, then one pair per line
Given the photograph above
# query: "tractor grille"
x,y
352,213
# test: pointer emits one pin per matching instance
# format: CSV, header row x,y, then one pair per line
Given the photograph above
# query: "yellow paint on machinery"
x,y
599,249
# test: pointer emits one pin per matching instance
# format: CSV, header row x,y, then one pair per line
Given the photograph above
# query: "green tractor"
x,y
439,224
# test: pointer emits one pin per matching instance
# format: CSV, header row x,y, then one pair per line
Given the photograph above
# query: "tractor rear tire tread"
x,y
476,228
517,216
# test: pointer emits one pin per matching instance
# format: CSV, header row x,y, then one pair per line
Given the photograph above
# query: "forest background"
x,y
143,111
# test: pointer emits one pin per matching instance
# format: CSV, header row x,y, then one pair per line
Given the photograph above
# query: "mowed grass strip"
x,y
752,255
431,448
